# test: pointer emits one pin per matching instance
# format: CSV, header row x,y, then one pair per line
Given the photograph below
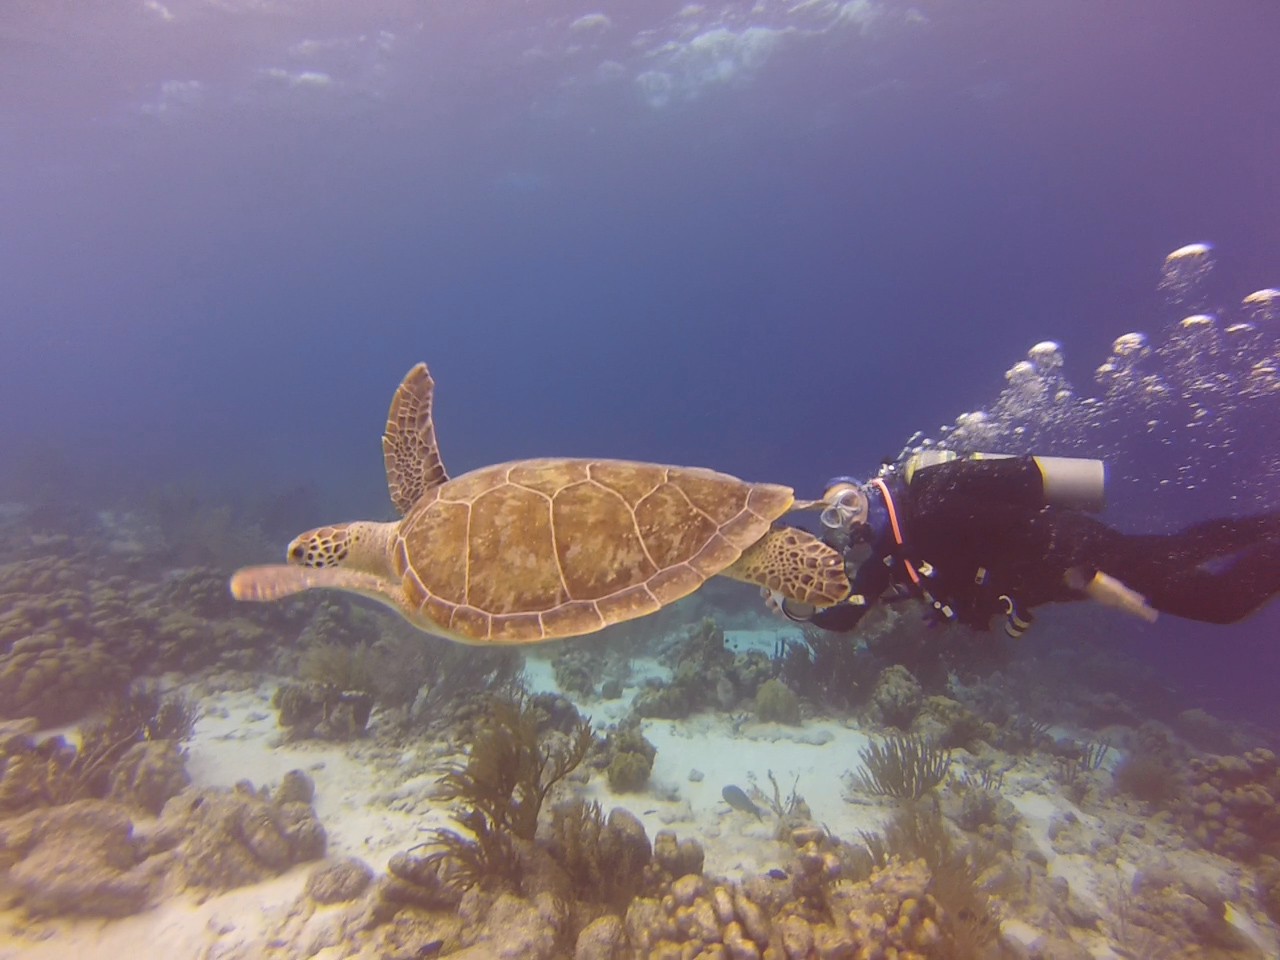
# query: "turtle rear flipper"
x,y
277,580
796,564
409,441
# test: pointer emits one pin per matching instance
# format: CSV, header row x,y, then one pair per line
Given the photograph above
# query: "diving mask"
x,y
846,511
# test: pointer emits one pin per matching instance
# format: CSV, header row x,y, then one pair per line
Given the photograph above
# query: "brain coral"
x,y
54,679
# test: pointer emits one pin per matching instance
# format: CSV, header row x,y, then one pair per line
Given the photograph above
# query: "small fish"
x,y
647,812
777,874
430,949
735,798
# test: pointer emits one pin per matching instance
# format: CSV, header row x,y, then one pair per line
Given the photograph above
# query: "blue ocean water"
x,y
784,239
773,239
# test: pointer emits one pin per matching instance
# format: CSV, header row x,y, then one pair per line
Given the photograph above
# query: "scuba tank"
x,y
1073,482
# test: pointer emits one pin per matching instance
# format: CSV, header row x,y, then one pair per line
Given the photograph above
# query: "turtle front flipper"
x,y
409,441
274,581
796,564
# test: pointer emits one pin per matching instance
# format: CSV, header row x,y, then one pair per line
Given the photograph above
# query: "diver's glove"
x,y
793,610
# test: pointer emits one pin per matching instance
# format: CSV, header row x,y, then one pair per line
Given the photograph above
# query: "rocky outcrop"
x,y
229,838
82,858
148,775
91,857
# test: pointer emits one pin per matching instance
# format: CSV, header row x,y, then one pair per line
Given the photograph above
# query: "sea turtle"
x,y
536,550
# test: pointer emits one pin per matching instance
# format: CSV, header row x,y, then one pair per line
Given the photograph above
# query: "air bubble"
x,y
1196,402
1046,356
1182,277
1263,306
1130,344
1198,321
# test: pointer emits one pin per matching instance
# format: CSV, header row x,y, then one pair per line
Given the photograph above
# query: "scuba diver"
x,y
988,535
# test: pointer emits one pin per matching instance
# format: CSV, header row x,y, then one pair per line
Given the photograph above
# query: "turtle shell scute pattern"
x,y
538,549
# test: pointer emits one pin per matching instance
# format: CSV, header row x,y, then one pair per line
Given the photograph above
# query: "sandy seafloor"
x,y
374,802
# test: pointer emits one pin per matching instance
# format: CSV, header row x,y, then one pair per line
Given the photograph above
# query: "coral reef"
x,y
1231,805
828,668
510,769
705,674
54,771
1166,914
951,724
605,860
897,697
337,624
789,814
604,663
489,856
1268,881
905,768
342,667
1144,776
751,669
413,880
54,678
38,774
321,710
629,772
144,714
106,823
198,591
976,806
670,701
630,758
1205,732
79,858
812,909
918,834
700,676
82,615
575,671
148,774
426,680
776,701
338,881
574,887
501,789
1020,734
675,857
482,925
896,637
334,696
85,857
229,838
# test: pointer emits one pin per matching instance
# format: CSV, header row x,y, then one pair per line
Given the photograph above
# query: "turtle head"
x,y
359,545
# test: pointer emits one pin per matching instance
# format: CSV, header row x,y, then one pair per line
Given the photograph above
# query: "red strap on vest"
x,y
897,530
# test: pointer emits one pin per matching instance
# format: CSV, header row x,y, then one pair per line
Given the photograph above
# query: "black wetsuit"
x,y
977,532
